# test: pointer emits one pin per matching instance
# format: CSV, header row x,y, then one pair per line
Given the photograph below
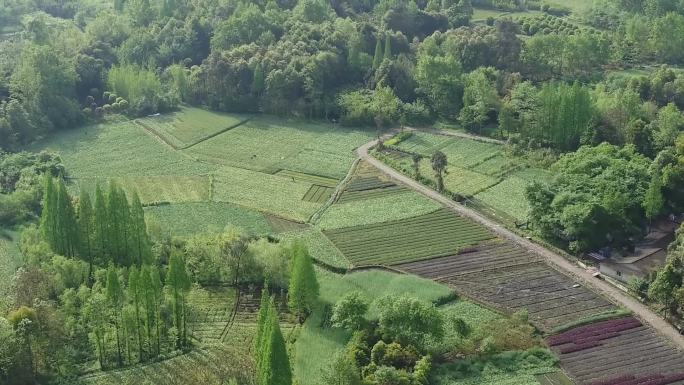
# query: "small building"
x,y
648,255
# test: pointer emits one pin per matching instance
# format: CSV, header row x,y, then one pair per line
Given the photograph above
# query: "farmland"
x,y
508,278
619,351
184,219
427,236
153,189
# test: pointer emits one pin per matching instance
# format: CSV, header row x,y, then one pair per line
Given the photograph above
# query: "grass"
x,y
320,247
190,125
386,208
153,189
509,197
438,234
268,145
186,219
316,346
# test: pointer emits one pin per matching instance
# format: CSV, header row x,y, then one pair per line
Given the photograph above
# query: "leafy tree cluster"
x,y
401,345
594,200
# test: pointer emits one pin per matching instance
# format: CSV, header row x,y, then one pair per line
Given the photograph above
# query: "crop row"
x,y
594,332
636,352
433,235
318,194
349,196
509,278
654,379
368,183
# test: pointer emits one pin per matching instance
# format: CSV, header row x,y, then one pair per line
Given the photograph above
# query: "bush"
x,y
400,137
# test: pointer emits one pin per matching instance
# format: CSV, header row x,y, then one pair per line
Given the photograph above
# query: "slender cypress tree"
x,y
377,58
134,296
48,219
303,290
101,238
258,80
157,288
264,308
388,48
86,230
115,223
275,364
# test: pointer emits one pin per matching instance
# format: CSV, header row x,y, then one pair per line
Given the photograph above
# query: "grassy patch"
x,y
154,188
509,197
460,180
185,219
385,208
438,234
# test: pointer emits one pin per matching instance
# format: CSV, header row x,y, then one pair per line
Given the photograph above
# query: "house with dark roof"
x,y
648,255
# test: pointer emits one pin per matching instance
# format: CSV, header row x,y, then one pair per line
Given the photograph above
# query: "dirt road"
x,y
641,311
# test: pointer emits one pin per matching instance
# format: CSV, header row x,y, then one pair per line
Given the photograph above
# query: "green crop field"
x,y
460,180
269,145
392,207
440,233
153,188
508,196
186,219
189,125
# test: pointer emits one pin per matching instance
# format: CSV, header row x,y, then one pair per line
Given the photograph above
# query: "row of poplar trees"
x,y
111,229
127,310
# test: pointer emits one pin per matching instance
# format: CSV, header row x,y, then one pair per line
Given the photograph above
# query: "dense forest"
x,y
595,96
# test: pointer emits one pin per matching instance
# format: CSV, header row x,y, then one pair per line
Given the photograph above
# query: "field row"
x,y
616,352
509,278
427,236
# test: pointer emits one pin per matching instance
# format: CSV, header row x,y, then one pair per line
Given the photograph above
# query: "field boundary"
x,y
316,217
216,134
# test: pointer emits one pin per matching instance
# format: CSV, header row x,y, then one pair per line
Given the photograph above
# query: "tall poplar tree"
x,y
377,58
147,293
388,48
134,297
66,222
179,282
157,290
86,230
264,308
303,290
48,220
141,249
101,230
115,298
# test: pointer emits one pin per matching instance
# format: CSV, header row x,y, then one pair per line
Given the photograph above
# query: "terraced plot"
x,y
508,278
189,125
427,236
460,180
318,194
618,352
459,151
308,178
368,183
210,312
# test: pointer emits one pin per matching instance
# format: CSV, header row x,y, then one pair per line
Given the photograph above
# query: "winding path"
x,y
645,314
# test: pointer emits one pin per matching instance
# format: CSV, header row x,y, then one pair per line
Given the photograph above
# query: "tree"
x,y
303,291
416,158
654,202
140,242
102,223
377,58
67,227
409,321
480,99
86,230
275,364
115,298
134,295
388,48
349,312
439,165
439,78
179,283
343,371
48,219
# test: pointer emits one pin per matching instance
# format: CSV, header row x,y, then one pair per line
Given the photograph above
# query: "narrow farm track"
x,y
641,311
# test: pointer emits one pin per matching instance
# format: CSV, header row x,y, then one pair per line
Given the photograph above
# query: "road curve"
x,y
645,314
